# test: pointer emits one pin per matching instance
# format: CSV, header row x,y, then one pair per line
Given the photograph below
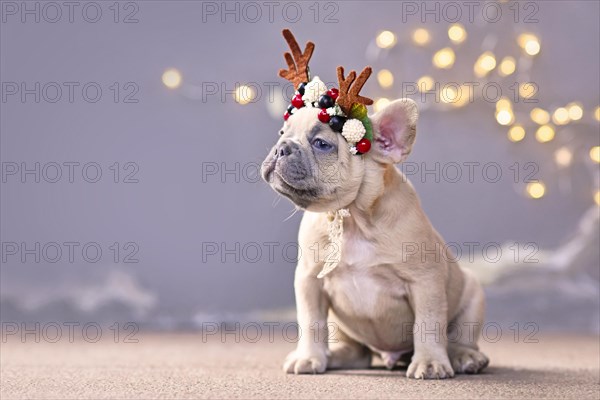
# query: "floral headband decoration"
x,y
343,109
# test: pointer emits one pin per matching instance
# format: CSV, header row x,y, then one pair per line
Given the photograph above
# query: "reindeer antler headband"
x,y
344,110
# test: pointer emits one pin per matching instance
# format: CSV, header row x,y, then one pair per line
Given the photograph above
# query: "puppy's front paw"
x,y
467,361
427,367
298,363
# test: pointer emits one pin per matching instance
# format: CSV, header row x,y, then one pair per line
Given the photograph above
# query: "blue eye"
x,y
322,145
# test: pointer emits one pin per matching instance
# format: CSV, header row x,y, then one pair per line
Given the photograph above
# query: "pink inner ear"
x,y
395,129
388,137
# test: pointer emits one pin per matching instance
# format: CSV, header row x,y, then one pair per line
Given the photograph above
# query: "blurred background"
x,y
132,134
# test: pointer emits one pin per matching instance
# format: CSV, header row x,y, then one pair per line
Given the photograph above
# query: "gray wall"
x,y
171,137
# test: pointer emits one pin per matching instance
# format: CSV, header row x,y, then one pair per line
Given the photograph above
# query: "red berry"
x,y
323,116
363,146
286,116
297,101
333,93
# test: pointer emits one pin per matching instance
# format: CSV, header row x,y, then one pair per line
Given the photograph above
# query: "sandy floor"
x,y
182,366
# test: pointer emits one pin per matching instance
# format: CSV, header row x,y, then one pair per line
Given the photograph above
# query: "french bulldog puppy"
x,y
395,290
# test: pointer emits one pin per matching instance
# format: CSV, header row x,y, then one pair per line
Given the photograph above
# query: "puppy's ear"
x,y
394,131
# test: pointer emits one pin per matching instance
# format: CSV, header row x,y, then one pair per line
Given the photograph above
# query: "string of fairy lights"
x,y
521,118
542,121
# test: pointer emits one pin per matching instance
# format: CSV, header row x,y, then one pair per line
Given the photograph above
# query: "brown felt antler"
x,y
298,64
349,88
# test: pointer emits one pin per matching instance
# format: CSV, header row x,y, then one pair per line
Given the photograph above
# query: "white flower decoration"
x,y
353,130
353,150
335,110
313,90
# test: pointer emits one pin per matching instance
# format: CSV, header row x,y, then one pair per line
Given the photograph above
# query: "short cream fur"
x,y
382,299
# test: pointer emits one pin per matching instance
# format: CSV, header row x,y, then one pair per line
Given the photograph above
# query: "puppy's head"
x,y
312,166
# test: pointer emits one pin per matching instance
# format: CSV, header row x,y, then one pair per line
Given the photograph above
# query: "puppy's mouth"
x,y
298,192
294,187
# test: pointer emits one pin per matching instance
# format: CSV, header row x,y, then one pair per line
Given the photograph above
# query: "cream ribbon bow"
x,y
335,231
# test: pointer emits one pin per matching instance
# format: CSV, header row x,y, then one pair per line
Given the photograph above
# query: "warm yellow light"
x,y
575,111
563,156
597,114
385,78
527,90
171,78
421,37
244,94
386,39
539,116
530,43
463,96
597,197
560,116
523,38
457,33
444,58
425,83
545,133
448,94
505,117
532,48
595,154
484,64
507,66
381,103
536,190
503,104
516,133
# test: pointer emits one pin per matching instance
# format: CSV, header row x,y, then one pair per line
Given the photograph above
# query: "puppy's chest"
x,y
356,252
358,285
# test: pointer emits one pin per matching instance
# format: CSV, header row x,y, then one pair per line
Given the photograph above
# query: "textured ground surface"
x,y
182,366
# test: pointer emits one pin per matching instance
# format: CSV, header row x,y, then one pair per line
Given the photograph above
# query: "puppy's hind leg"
x,y
465,330
345,352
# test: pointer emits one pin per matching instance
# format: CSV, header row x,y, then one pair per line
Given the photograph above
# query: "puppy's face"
x,y
312,166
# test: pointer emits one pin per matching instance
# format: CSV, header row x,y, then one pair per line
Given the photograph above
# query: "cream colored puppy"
x,y
395,291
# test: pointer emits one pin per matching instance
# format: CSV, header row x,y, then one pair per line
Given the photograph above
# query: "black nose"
x,y
285,149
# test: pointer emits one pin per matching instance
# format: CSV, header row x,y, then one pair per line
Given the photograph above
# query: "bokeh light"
x,y
563,156
505,117
171,78
595,154
444,58
425,83
530,43
421,37
457,33
244,94
536,190
507,66
484,64
516,133
386,39
527,90
539,116
385,78
560,116
575,111
381,103
544,133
